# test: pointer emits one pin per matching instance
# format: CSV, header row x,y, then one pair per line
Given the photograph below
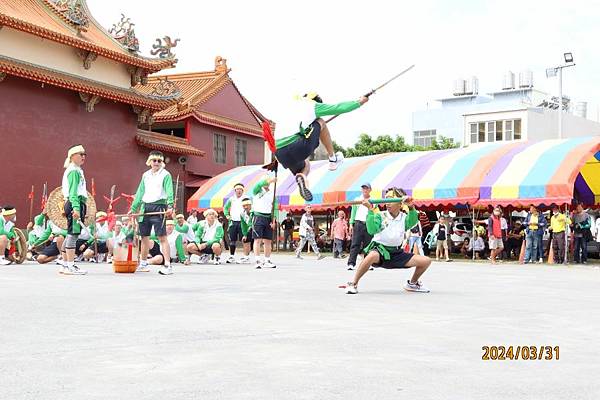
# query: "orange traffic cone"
x,y
522,253
550,254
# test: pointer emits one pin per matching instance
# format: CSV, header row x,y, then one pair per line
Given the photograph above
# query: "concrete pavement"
x,y
232,332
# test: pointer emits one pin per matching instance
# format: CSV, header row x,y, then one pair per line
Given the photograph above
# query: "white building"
x,y
518,111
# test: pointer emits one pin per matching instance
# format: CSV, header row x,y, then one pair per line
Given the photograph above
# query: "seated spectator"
x,y
514,240
477,246
464,248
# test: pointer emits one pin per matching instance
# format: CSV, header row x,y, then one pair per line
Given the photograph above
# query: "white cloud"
x,y
344,48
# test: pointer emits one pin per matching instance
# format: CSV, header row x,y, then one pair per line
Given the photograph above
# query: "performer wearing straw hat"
x,y
293,151
7,232
232,211
385,250
75,194
154,195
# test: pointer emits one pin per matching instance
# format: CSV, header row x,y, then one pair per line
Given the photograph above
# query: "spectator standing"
x,y
598,229
558,226
339,233
288,231
495,234
441,231
307,233
531,231
581,228
358,227
415,235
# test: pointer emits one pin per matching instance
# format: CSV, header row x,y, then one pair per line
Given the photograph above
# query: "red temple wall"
x,y
38,123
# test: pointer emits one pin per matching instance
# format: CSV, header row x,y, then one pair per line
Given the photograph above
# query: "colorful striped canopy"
x,y
516,173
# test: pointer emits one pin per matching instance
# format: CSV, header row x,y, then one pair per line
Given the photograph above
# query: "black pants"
x,y
287,239
360,240
580,250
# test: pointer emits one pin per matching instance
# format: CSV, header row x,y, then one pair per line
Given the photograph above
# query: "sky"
x,y
342,49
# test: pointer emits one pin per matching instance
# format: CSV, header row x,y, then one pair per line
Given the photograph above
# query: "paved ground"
x,y
232,332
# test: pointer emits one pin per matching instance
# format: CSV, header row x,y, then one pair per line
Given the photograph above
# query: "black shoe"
x,y
304,192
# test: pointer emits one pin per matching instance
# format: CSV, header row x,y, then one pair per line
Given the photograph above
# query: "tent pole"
x,y
567,231
473,234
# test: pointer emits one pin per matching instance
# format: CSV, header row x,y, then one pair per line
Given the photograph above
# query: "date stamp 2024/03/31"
x,y
500,353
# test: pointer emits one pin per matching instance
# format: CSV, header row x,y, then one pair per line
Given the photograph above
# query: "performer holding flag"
x,y
294,151
154,195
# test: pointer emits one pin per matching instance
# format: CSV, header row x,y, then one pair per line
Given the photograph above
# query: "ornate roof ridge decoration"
x,y
165,88
124,33
172,144
80,84
163,50
221,120
74,11
26,19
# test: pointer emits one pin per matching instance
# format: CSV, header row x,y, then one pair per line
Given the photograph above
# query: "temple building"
x,y
65,80
213,116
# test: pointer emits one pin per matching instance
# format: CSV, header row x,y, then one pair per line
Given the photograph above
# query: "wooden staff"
x,y
31,194
358,202
140,214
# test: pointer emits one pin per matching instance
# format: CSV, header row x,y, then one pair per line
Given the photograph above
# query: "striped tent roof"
x,y
516,173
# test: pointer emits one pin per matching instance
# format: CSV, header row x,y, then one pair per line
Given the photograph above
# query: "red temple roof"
x,y
42,18
162,142
196,89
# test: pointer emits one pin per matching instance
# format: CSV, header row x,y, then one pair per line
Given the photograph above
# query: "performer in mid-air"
x,y
294,151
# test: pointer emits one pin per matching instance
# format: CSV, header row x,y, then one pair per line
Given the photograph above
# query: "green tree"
x,y
366,145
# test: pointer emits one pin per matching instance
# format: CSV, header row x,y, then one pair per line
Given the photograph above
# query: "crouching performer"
x,y
385,250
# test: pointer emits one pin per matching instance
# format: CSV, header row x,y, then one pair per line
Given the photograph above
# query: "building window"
x,y
473,128
508,127
495,131
517,127
481,138
240,152
491,131
499,131
424,138
219,148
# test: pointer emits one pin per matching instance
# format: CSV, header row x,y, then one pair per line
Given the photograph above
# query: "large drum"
x,y
18,251
55,208
125,258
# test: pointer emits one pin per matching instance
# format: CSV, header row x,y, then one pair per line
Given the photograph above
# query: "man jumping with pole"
x,y
294,151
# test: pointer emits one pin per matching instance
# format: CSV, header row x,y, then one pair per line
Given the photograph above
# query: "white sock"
x,y
143,263
69,264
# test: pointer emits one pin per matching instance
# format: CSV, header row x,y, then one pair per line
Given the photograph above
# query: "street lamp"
x,y
552,72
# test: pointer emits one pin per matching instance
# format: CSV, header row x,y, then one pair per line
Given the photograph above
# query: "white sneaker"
x,y
415,287
245,260
339,158
4,261
259,264
230,260
218,260
350,267
74,270
351,288
166,270
203,259
60,261
142,268
299,257
269,264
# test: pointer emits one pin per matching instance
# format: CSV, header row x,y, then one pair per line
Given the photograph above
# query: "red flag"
x,y
268,136
30,196
93,188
